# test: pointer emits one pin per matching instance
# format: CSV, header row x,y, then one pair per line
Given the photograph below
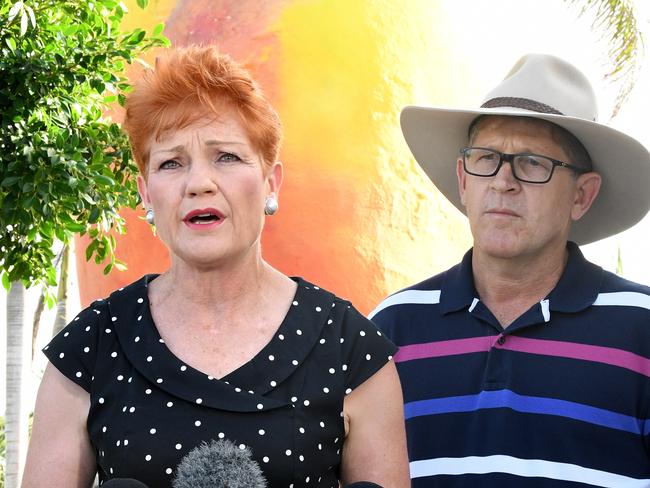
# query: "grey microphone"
x,y
123,483
218,464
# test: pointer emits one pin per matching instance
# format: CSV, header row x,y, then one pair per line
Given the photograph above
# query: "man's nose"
x,y
505,179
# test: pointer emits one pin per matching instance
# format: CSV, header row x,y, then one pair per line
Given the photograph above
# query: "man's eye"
x,y
487,157
169,164
530,161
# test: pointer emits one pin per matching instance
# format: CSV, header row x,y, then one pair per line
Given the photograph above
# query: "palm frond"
x,y
616,21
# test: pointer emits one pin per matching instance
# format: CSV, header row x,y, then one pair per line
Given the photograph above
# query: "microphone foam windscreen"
x,y
219,464
123,483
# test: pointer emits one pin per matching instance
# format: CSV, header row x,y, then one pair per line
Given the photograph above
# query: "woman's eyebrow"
x,y
175,149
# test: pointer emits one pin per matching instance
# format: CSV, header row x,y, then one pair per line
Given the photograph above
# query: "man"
x,y
525,365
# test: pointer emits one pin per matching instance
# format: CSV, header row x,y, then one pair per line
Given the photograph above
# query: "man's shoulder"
x,y
426,292
615,283
618,291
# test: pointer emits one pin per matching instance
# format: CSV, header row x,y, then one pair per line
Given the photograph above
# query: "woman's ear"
x,y
274,178
142,190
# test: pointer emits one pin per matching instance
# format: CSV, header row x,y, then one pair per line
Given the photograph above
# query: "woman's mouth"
x,y
203,217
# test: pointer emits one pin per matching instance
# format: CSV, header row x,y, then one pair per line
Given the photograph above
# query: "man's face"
x,y
509,218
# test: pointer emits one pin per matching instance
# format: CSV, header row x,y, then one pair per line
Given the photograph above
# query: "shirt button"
x,y
501,340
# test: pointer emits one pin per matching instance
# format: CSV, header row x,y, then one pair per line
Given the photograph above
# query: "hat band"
x,y
524,103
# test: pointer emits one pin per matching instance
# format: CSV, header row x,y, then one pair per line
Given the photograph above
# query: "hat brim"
x,y
436,135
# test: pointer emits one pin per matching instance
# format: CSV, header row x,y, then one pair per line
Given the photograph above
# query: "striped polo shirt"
x,y
559,398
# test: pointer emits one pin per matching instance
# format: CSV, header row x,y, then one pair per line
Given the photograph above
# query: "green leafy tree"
x,y
65,168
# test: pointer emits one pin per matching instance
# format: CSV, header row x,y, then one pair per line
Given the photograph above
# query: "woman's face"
x,y
207,187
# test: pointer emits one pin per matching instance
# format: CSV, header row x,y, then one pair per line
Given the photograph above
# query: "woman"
x,y
222,345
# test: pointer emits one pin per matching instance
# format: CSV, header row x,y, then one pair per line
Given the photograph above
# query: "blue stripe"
x,y
527,404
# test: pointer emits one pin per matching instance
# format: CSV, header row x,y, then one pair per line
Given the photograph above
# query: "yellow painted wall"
x,y
357,215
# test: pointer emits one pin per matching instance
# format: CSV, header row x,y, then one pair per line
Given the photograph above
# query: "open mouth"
x,y
204,218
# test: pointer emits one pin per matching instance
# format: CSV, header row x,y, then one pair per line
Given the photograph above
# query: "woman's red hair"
x,y
186,85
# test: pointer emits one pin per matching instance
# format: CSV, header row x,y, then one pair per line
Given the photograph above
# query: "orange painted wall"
x,y
357,215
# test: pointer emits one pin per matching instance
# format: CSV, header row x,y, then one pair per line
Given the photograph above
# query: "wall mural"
x,y
357,214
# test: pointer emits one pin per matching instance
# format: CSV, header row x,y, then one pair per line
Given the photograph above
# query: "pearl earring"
x,y
149,216
270,205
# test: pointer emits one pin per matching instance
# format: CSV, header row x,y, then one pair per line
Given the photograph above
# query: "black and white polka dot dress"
x,y
148,409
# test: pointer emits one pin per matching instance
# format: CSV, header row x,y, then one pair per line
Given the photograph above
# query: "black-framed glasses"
x,y
527,167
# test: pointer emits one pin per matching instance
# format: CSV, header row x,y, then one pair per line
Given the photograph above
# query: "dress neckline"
x,y
245,388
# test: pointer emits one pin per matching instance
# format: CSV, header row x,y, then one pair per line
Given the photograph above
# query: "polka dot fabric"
x,y
148,409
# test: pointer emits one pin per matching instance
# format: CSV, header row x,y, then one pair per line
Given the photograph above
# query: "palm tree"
x,y
16,416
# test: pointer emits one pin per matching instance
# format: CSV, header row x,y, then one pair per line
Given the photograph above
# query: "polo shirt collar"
x,y
457,290
579,284
576,290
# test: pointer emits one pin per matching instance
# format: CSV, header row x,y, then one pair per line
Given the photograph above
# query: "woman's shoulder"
x,y
318,293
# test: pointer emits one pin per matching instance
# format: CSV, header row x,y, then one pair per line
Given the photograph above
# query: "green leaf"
x,y
143,3
13,11
105,180
11,44
10,180
23,23
32,18
94,215
5,282
158,29
75,227
90,249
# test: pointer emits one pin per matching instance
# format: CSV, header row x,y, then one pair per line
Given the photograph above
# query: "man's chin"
x,y
501,246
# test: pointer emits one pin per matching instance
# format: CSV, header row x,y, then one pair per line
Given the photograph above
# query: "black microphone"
x,y
363,484
219,464
123,483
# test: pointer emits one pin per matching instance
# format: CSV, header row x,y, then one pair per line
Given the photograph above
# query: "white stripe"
x,y
624,299
546,311
528,468
423,297
474,304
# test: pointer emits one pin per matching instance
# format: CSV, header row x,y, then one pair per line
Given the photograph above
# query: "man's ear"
x,y
274,178
587,188
462,178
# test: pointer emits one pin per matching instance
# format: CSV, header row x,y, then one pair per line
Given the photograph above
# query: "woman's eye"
x,y
228,158
169,164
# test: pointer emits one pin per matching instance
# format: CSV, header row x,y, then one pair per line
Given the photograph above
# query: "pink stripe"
x,y
444,348
598,354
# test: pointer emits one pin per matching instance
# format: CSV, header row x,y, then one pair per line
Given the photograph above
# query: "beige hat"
x,y
544,87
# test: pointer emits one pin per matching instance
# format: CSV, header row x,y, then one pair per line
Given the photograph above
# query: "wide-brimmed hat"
x,y
544,87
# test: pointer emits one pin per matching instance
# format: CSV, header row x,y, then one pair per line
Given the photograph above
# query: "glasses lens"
x,y
480,162
533,168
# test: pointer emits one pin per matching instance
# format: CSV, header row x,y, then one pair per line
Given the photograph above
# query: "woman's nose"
x,y
201,179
